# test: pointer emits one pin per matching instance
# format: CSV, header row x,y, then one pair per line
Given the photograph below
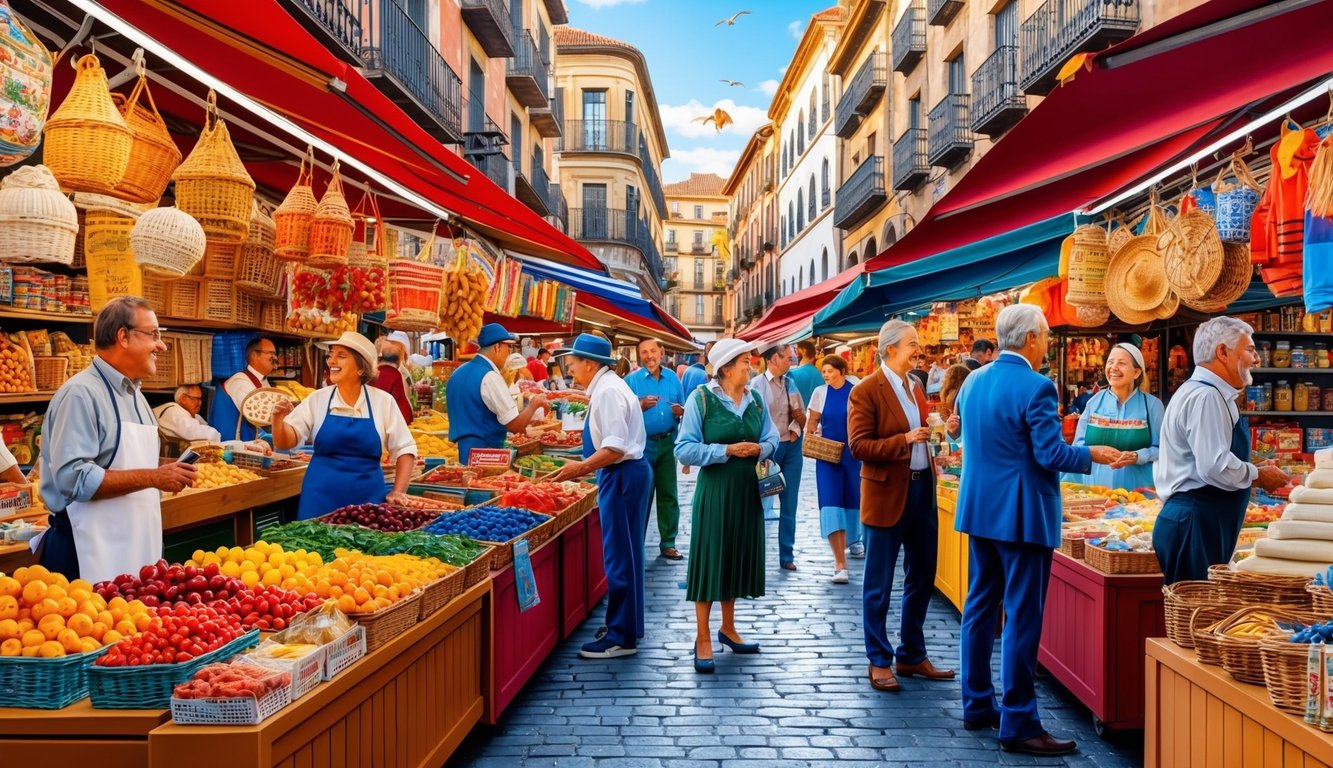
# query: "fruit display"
x,y
42,614
506,482
180,634
431,421
268,608
318,627
565,439
539,464
381,517
421,502
364,583
219,475
15,365
262,564
457,551
488,523
232,681
317,321
451,475
463,300
435,447
547,498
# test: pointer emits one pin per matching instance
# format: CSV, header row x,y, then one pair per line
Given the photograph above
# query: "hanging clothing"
x,y
1133,425
1277,228
345,465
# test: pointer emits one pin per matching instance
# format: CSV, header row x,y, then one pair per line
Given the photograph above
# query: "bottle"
x,y
1265,354
1282,396
1282,354
1301,397
1313,393
1321,355
1268,397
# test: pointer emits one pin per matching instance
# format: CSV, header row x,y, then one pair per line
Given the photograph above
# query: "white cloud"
x,y
796,28
706,160
768,87
598,5
682,119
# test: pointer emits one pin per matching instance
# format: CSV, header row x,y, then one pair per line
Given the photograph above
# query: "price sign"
x,y
490,457
525,582
949,326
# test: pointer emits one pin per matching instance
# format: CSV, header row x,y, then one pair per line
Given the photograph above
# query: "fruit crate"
x,y
151,687
235,711
440,592
344,652
387,623
307,671
479,569
34,683
536,536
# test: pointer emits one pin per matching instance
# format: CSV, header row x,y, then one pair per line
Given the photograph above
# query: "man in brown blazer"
x,y
886,417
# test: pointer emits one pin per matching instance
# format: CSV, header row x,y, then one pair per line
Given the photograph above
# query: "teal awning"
x,y
995,264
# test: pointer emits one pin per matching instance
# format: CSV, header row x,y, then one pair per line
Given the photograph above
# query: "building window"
x,y
823,115
812,272
957,75
800,278
717,311
814,121
698,308
594,119
698,274
823,269
800,133
823,186
698,211
671,236
810,203
800,211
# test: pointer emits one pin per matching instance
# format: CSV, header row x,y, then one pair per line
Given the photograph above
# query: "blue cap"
x,y
590,347
494,333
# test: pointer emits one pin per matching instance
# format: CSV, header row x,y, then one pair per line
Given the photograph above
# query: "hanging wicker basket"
x,y
27,69
37,222
291,240
153,155
258,272
1231,283
414,296
1088,258
331,227
367,248
168,241
212,184
1192,253
87,143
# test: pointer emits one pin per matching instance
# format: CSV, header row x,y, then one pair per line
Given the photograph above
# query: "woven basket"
x,y
414,296
168,241
258,271
219,260
219,301
247,310
186,299
37,222
87,144
387,623
153,154
212,184
438,593
51,372
157,291
150,687
1088,258
1192,253
1236,201
1109,561
362,252
272,316
1321,599
1285,674
478,570
292,219
331,227
536,536
34,683
1232,282
822,449
1180,601
1240,655
1240,587
1202,622
1075,548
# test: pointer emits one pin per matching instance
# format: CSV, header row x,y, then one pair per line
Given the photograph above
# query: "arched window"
x,y
800,210
800,133
890,235
791,221
823,171
824,111
811,201
823,270
851,260
814,115
871,251
800,278
783,233
812,272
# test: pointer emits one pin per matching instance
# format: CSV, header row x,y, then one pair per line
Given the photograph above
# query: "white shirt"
x,y
308,416
904,389
1195,440
7,459
420,360
495,394
783,406
817,398
1026,362
239,385
174,422
615,418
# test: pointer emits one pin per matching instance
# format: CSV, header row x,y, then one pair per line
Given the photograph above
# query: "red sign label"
x,y
490,457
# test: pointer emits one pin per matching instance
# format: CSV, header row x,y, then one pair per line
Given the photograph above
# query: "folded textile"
x,y
1257,564
1320,478
1317,513
1308,550
1307,495
1300,529
1323,459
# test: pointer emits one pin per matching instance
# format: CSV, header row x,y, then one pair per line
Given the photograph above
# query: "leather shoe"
x,y
702,666
735,646
671,553
889,684
924,669
984,724
1045,745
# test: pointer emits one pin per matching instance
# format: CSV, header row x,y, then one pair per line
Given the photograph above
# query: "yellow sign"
x,y
948,326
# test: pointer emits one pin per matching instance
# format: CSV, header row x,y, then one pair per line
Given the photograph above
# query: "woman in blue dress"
x,y
839,484
1125,417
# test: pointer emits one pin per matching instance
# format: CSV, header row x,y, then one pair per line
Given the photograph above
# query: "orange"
x,y
80,584
88,644
367,607
66,606
361,595
116,603
250,578
11,647
50,650
272,577
90,608
36,572
21,575
70,641
30,652
347,604
51,629
380,591
34,592
231,569
98,631
26,624
33,638
142,621
383,602
10,586
197,557
106,617
79,596
9,607
322,588
9,629
126,627
112,637
44,607
336,591
55,592
81,624
384,577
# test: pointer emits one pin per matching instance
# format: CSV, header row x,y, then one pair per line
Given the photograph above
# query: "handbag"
x,y
771,482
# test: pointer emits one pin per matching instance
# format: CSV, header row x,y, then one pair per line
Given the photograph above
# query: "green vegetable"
x,y
318,537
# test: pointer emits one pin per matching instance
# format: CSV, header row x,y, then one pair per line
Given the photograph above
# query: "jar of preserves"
x,y
1328,399
1300,398
1265,354
1282,354
1312,392
1282,396
1321,355
1298,356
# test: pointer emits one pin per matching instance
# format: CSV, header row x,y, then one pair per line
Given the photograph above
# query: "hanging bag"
x,y
212,184
26,69
87,143
292,218
415,287
1236,200
331,226
258,272
153,154
1088,256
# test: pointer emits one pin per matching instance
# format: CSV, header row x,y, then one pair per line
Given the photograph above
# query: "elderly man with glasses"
x,y
179,421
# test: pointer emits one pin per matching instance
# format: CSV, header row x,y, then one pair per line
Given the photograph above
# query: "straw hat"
x,y
1191,253
1169,306
356,343
1232,281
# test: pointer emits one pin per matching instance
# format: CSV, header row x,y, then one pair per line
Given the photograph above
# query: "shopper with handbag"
x,y
838,480
786,410
726,432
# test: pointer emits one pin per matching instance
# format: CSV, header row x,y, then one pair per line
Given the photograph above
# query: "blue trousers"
x,y
1011,576
623,492
789,459
917,534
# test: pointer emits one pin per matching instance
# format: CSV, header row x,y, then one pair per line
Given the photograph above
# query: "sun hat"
x,y
494,333
590,347
1192,254
358,344
515,362
726,350
401,337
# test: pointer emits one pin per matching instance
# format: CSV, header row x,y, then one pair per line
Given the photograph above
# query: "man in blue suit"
x,y
1009,505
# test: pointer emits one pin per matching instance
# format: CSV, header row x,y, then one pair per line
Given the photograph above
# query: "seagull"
x,y
720,119
731,22
732,83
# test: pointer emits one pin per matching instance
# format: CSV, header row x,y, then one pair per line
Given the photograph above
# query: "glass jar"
x,y
1268,397
1309,322
1282,396
1328,399
1326,321
1265,354
1313,393
1321,355
1282,354
1300,398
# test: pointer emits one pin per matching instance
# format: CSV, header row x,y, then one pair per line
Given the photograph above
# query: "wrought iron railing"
x,y
338,20
908,39
616,225
863,90
392,43
527,62
493,23
910,166
1061,28
861,193
941,12
995,91
600,136
651,175
672,246
950,130
496,167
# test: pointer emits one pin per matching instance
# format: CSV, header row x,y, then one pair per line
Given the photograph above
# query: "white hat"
x,y
726,350
358,344
401,338
515,362
1134,352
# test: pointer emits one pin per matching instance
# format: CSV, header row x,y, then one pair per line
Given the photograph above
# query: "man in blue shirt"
x,y
663,401
807,376
696,374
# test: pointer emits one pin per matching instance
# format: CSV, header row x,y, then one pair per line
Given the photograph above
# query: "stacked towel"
x,y
1301,543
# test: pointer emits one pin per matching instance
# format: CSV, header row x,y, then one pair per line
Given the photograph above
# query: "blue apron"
x,y
345,467
223,414
1198,528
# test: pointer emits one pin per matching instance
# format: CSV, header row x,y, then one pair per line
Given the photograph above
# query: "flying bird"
x,y
732,83
720,119
731,22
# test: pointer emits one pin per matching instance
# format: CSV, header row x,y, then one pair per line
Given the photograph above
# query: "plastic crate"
x,y
151,687
237,711
45,683
229,352
307,671
344,652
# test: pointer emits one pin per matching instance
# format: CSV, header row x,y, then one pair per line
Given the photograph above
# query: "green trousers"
x,y
661,455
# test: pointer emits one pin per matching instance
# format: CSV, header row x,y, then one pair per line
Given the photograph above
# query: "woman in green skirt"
x,y
726,432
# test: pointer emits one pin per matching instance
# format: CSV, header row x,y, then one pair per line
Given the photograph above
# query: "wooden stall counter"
x,y
78,735
1198,715
409,703
951,564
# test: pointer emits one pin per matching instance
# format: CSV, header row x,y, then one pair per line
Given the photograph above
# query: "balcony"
x,y
615,225
910,167
650,174
862,94
333,23
700,249
861,195
909,38
533,190
940,12
755,308
1061,28
400,60
526,74
997,103
496,167
950,131
489,22
559,208
547,120
600,136
672,246
556,10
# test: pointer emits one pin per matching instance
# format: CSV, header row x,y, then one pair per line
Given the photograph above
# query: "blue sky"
x,y
687,56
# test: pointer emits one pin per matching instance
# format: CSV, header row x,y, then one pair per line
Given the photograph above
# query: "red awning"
x,y
790,312
258,49
1129,111
663,327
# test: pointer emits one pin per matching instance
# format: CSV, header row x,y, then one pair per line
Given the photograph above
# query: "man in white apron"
x,y
100,476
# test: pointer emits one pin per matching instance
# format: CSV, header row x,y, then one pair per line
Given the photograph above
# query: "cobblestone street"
x,y
804,701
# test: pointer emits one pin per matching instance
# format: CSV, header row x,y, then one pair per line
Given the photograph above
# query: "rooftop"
x,y
697,185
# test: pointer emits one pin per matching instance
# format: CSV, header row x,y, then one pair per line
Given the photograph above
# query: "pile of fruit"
x,y
232,681
317,321
381,517
463,300
341,290
434,446
180,634
451,475
262,564
219,475
421,502
506,482
45,615
488,523
547,498
1315,633
15,366
566,439
540,463
430,421
364,583
1254,625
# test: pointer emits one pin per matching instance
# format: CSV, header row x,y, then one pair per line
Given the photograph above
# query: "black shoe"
x,y
984,724
1044,745
735,646
702,666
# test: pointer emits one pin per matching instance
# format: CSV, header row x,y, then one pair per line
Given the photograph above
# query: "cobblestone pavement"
x,y
803,701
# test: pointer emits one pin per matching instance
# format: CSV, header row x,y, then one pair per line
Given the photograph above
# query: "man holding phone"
x,y
663,401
